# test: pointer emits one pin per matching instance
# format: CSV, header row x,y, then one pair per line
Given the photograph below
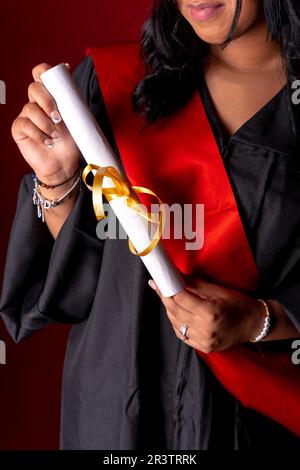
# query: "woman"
x,y
129,381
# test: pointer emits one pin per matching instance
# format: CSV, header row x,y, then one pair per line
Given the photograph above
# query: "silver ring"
x,y
183,329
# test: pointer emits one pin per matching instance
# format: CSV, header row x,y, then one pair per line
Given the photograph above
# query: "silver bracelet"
x,y
43,204
267,324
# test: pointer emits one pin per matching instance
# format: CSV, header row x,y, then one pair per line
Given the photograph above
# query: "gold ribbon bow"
x,y
124,190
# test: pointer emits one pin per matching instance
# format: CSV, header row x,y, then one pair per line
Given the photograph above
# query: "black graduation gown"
x,y
128,382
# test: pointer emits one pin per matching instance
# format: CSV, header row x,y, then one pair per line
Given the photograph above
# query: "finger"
x,y
203,345
186,299
178,333
37,93
189,340
185,319
192,302
178,310
195,329
40,119
196,336
23,129
168,301
195,345
38,70
41,68
202,288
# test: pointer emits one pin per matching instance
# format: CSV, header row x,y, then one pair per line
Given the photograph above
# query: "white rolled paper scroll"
x,y
96,150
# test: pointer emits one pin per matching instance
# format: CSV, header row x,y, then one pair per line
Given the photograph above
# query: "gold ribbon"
x,y
123,189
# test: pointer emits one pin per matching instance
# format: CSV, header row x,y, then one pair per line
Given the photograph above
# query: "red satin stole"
x,y
179,160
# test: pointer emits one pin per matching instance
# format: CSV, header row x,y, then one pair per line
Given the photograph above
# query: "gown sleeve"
x,y
48,281
288,291
288,296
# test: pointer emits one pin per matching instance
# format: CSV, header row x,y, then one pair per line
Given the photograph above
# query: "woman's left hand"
x,y
217,317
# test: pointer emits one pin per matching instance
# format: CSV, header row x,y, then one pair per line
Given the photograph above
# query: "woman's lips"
x,y
205,11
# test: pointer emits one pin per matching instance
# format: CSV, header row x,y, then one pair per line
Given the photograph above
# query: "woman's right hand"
x,y
42,136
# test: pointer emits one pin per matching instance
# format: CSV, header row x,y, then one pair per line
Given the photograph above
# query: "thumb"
x,y
200,287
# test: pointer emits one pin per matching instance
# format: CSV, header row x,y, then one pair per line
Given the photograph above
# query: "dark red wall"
x,y
34,31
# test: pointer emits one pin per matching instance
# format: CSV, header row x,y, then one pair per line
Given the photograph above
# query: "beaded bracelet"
x,y
267,323
47,186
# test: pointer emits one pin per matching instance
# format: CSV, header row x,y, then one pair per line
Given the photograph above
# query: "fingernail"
x,y
152,284
56,117
55,135
49,143
67,65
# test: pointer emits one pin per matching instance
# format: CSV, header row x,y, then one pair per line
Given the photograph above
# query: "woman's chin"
x,y
211,38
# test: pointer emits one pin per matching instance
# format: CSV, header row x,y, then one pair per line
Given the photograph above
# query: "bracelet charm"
x,y
42,204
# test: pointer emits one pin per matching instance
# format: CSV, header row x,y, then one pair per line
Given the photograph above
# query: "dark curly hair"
x,y
172,53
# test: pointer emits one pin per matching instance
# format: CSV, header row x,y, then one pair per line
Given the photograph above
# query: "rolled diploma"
x,y
96,150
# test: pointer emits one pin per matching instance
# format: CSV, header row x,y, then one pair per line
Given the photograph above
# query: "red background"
x,y
31,32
